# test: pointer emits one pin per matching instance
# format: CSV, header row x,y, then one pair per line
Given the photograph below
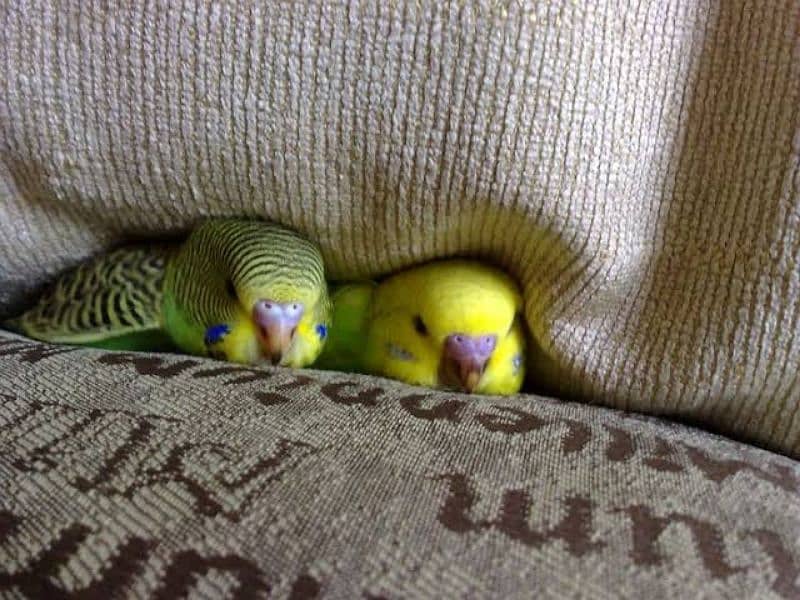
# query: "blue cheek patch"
x,y
215,333
516,363
322,331
399,353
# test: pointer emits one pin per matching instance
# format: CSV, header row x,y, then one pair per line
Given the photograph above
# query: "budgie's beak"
x,y
464,359
276,324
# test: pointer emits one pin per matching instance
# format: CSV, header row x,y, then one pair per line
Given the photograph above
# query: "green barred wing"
x,y
113,301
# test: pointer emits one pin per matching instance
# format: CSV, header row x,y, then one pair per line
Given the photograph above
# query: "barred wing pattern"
x,y
116,294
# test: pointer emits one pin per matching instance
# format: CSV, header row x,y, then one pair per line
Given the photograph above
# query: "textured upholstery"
x,y
155,475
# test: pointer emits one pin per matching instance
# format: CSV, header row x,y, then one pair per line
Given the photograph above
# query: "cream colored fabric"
x,y
634,164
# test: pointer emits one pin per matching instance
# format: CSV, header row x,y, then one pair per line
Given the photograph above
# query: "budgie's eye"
x,y
230,289
419,325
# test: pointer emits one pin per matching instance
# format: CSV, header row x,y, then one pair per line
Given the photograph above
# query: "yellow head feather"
x,y
414,312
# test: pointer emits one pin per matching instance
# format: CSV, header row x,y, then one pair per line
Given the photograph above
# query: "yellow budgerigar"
x,y
446,324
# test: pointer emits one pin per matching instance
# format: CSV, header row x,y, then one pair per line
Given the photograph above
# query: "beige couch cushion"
x,y
633,163
153,475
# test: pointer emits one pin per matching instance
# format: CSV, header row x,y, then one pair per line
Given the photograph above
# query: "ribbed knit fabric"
x,y
634,164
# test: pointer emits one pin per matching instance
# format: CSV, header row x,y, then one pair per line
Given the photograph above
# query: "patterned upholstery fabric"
x,y
154,475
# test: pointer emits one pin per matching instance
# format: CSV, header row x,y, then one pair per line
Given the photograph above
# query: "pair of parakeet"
x,y
248,291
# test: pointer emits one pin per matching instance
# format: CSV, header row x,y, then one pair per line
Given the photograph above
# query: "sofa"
x,y
634,165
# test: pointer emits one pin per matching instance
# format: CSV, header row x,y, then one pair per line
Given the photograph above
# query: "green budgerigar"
x,y
245,291
446,324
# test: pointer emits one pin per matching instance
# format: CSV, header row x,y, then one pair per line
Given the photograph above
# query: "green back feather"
x,y
152,340
114,297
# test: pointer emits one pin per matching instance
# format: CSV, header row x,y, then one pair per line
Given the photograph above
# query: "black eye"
x,y
419,326
230,289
